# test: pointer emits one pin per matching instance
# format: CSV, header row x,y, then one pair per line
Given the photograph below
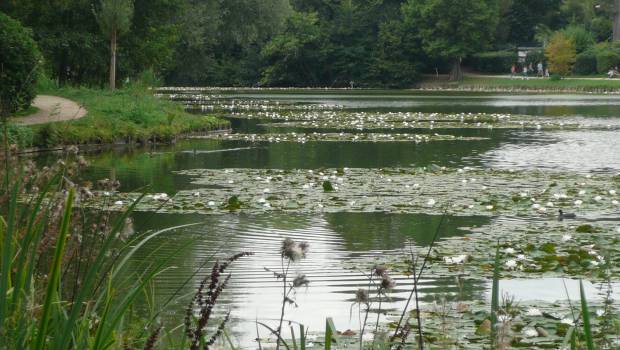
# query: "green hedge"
x,y
606,59
494,61
585,63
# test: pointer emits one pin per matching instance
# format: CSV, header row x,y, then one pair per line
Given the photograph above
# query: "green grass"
x,y
26,112
567,84
123,116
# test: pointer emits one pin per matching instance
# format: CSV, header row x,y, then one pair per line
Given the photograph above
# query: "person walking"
x,y
541,72
524,72
513,71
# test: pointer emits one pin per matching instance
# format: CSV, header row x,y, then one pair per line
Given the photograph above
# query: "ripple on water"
x,y
253,292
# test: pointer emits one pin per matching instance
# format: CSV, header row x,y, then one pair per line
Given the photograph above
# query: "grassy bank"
x,y
131,115
482,83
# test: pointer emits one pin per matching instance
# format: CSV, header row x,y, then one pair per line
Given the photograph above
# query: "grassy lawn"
x,y
121,116
567,84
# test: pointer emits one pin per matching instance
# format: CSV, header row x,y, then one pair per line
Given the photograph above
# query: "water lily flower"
x,y
266,190
550,204
567,321
509,250
523,195
416,186
582,192
231,181
612,192
106,193
211,203
578,202
455,260
598,198
489,207
600,312
196,194
511,264
431,202
536,206
566,238
262,200
118,203
530,332
521,257
533,312
615,202
503,318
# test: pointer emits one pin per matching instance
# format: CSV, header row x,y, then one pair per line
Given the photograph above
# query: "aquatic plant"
x,y
205,300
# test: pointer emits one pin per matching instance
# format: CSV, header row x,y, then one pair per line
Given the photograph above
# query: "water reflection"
x,y
336,240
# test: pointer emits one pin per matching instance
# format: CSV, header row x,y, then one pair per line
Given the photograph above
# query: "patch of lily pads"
x,y
340,137
431,190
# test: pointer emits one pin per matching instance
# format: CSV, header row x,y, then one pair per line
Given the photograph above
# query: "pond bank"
x,y
128,116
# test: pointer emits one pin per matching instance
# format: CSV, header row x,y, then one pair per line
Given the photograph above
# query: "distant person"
x,y
547,72
351,84
541,72
524,72
612,73
513,70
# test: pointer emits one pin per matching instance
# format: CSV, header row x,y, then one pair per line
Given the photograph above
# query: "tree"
x,y
114,18
19,59
452,29
561,54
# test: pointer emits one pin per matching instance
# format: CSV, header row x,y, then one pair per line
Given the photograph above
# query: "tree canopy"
x,y
301,42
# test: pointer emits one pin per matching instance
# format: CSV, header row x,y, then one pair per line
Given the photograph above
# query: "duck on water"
x,y
562,215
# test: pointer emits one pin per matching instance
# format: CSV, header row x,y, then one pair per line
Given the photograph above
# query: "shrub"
x,y
560,54
606,59
582,38
494,61
19,58
585,63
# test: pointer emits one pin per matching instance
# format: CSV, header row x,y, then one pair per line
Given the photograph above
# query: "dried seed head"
x,y
387,282
379,270
300,280
293,251
361,296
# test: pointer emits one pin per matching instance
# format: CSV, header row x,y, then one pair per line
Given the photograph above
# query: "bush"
x,y
561,54
19,58
606,59
585,63
583,38
494,61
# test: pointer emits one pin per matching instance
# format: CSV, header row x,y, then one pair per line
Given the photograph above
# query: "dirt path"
x,y
52,109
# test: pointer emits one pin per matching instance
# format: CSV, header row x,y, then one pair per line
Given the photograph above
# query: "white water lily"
x,y
489,207
615,202
582,192
262,200
550,204
211,203
503,318
567,321
578,202
106,193
306,186
196,194
612,192
511,264
266,190
431,202
455,260
521,257
509,250
523,195
536,206
533,312
530,332
231,182
566,238
598,198
416,186
600,312
118,203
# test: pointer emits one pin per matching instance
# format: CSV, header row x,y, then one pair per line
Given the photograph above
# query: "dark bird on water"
x,y
562,215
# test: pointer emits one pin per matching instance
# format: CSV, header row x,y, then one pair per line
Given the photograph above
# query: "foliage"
x,y
293,57
19,59
561,54
114,16
582,38
436,20
585,63
124,116
494,61
606,59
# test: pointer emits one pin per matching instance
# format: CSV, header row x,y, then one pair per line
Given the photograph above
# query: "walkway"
x,y
52,109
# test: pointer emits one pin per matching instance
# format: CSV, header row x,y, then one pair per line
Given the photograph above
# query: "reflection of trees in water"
x,y
383,231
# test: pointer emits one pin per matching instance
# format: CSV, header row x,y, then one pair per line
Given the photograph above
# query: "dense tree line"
x,y
297,42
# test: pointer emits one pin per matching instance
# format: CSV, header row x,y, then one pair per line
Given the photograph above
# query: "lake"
x,y
342,242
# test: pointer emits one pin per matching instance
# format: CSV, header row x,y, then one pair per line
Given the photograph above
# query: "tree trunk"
x,y
113,61
616,23
456,74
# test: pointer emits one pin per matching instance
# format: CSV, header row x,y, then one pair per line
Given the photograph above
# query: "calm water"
x,y
336,240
